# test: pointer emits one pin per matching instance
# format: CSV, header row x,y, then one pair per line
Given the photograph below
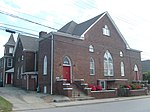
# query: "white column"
x,y
12,76
27,81
6,78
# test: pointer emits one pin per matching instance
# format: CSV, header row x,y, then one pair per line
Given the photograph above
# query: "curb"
x,y
95,101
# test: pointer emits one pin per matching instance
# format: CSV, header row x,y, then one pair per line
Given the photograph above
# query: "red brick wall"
x,y
77,51
104,94
44,50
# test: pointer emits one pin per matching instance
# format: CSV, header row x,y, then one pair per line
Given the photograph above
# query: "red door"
x,y
66,73
8,78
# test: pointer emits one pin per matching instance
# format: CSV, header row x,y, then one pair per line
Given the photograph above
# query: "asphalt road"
x,y
138,105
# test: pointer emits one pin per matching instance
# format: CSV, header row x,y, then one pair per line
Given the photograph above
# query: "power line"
x,y
15,16
29,15
18,27
17,31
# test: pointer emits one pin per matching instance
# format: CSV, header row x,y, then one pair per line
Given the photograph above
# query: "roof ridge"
x,y
11,41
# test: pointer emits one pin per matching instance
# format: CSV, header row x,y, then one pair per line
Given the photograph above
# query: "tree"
x,y
146,76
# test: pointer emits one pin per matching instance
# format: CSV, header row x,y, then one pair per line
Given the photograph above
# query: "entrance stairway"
x,y
79,95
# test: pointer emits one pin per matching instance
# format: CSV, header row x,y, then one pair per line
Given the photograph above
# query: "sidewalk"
x,y
24,100
88,102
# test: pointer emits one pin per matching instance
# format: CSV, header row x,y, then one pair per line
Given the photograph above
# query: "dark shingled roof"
x,y
11,41
78,29
29,43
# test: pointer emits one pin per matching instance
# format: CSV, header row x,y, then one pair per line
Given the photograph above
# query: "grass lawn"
x,y
5,106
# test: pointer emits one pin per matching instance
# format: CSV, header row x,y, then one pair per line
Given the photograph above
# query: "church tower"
x,y
8,61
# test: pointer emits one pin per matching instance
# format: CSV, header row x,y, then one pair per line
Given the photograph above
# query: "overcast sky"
x,y
131,16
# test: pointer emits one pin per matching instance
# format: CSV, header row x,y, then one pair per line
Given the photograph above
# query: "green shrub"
x,y
133,86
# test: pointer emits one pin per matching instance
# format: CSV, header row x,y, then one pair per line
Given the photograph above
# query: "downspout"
x,y
35,56
35,67
52,59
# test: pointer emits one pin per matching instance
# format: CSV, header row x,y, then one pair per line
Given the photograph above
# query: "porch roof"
x,y
10,70
30,73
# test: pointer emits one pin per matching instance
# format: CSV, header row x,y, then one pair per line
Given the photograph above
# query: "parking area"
x,y
25,100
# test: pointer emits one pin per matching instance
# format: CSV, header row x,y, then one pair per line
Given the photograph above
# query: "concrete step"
x,y
79,95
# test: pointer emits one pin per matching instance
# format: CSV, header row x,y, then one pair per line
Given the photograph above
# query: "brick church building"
x,y
93,51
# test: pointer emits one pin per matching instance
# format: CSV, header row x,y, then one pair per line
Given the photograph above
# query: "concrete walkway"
x,y
24,100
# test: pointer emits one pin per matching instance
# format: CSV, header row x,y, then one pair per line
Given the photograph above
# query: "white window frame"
x,y
122,68
11,49
121,54
102,85
108,64
1,77
9,62
22,57
45,65
92,66
66,61
136,70
21,71
106,31
18,73
91,48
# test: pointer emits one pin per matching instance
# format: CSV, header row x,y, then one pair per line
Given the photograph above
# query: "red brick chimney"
x,y
42,33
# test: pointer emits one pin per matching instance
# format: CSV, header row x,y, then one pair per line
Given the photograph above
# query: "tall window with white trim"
x,y
108,64
45,66
122,69
9,62
92,66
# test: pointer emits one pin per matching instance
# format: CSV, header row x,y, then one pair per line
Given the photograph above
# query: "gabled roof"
x,y
78,29
69,27
82,28
11,41
29,43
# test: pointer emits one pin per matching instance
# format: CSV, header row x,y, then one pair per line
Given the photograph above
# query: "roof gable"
x,y
11,41
84,27
78,29
69,27
28,43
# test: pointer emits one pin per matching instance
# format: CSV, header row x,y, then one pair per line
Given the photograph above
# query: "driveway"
x,y
24,100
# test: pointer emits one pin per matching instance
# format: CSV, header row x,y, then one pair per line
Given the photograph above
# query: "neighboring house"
x,y
6,63
93,50
25,62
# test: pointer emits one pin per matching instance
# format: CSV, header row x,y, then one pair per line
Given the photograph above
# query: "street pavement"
x,y
26,100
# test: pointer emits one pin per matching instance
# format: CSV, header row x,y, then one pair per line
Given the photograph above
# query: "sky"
x,y
131,17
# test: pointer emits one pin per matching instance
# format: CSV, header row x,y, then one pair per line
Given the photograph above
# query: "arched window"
x,y
91,48
67,61
92,66
108,64
106,31
45,66
136,73
122,69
